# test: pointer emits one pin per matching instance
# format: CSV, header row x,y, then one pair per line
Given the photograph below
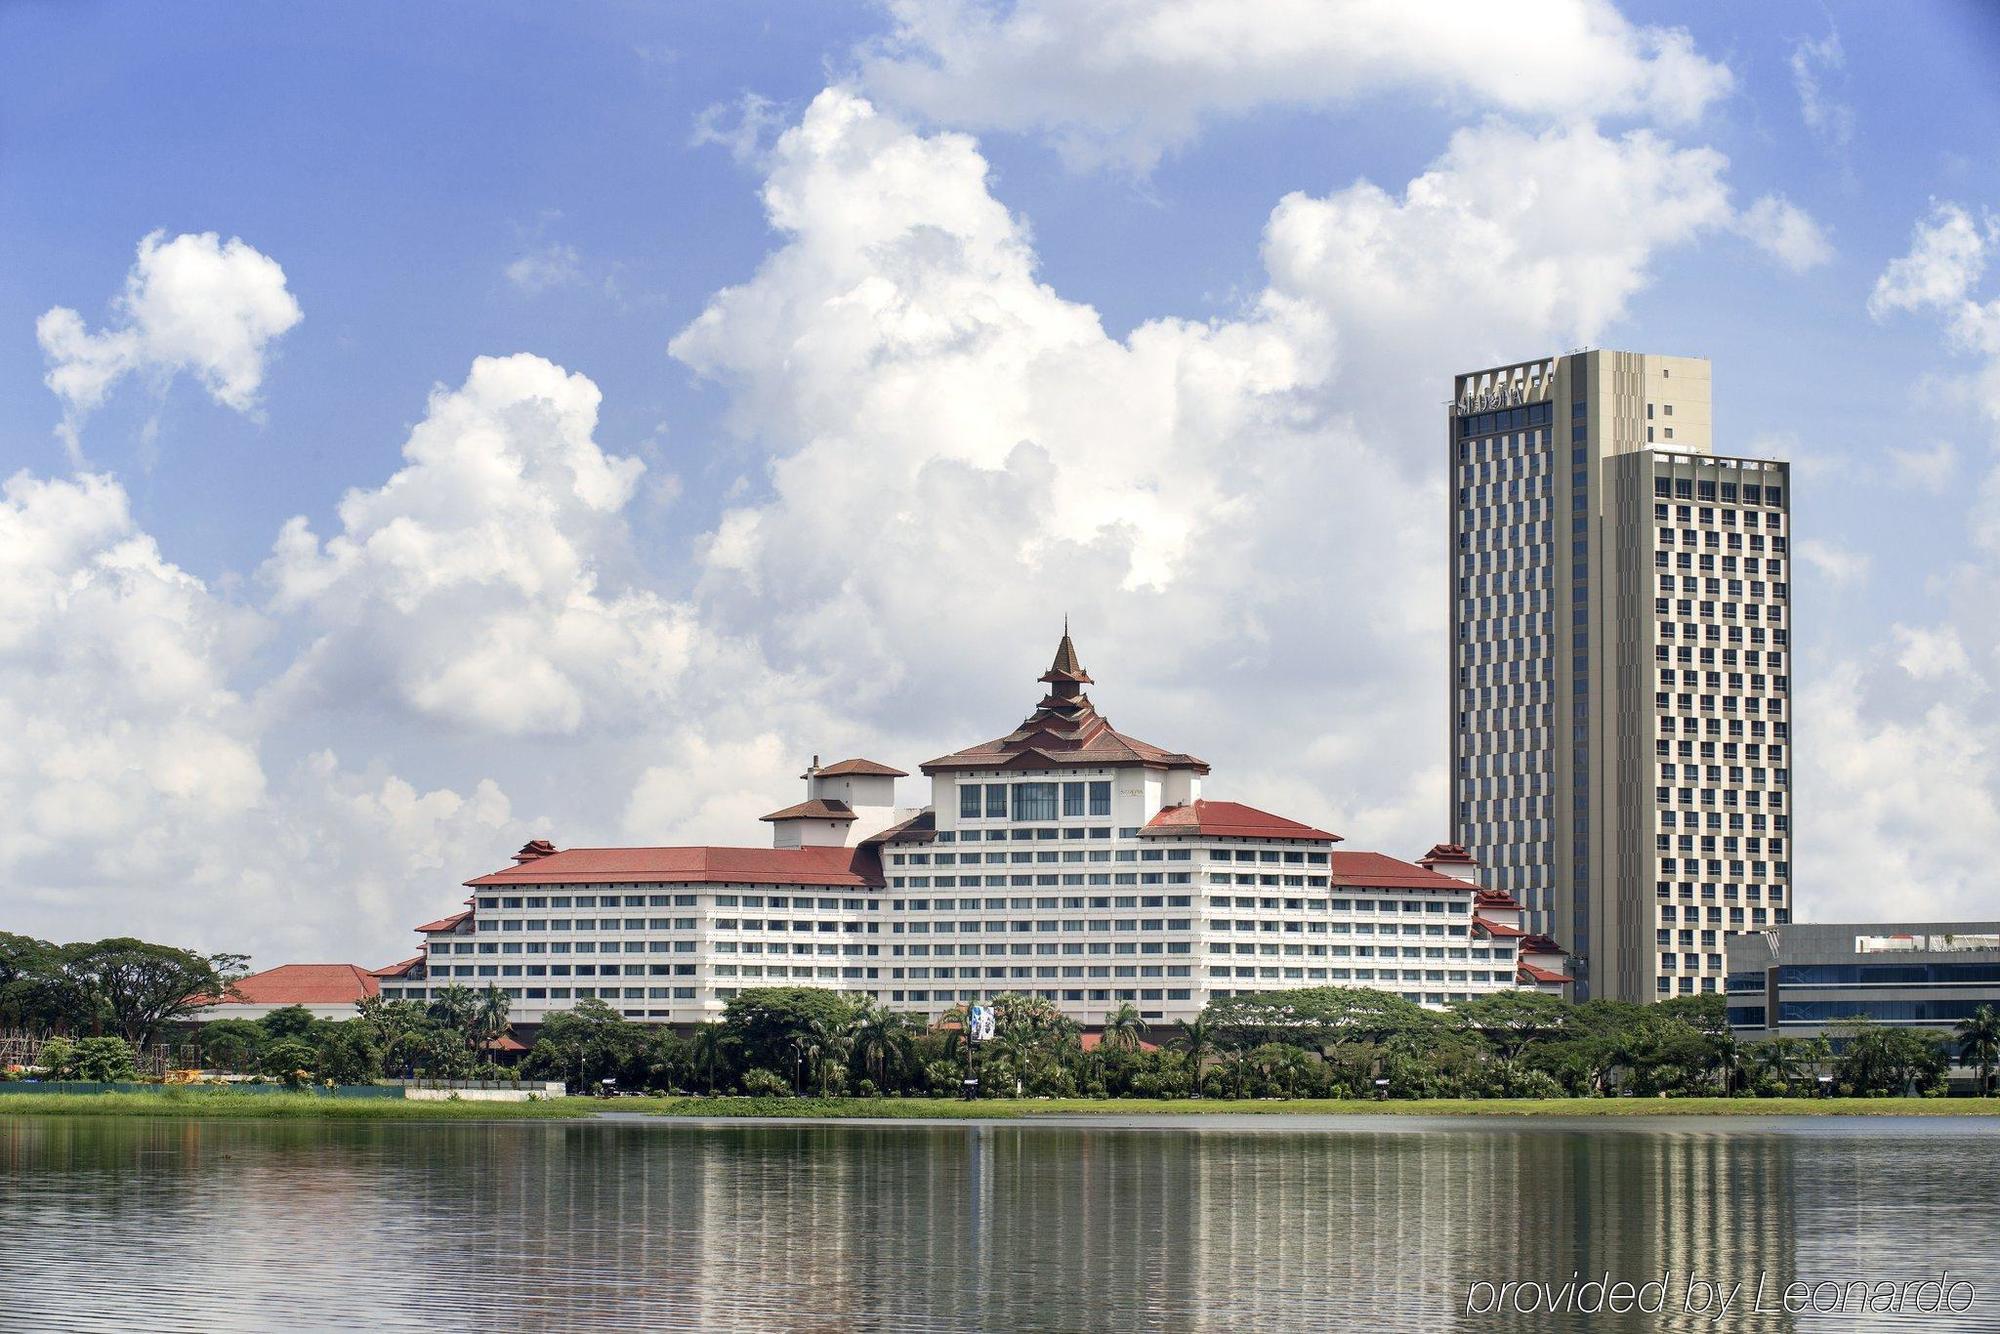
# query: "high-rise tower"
x,y
1620,687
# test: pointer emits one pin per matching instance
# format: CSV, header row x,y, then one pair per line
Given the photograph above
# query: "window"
x,y
1100,798
996,801
968,801
1035,801
1072,800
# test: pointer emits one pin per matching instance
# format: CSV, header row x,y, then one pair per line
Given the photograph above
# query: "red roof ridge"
x,y
868,768
1531,973
1493,928
819,808
1378,870
1450,854
445,923
1230,819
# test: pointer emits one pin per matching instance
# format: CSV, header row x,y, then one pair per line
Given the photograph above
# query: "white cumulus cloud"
x,y
195,304
1786,232
1126,80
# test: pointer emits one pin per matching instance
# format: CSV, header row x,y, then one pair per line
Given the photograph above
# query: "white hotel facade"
x,y
1064,860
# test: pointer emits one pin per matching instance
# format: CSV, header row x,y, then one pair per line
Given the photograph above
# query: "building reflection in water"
x,y
1380,1223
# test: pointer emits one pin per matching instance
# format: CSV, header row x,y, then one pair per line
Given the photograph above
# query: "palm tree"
x,y
707,1045
1195,1040
1979,1045
1124,1028
456,1007
881,1040
494,1015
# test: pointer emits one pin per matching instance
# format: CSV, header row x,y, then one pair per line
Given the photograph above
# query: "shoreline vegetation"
x,y
223,1104
122,1010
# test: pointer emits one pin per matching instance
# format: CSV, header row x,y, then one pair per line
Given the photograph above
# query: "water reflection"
x,y
1376,1223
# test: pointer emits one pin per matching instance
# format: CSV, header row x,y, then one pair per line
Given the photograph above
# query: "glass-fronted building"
x,y
1799,980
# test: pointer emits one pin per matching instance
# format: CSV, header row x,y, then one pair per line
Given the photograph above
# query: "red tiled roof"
x,y
504,1042
1231,819
1498,898
862,768
1093,1041
1375,870
919,828
1493,928
397,969
304,984
858,867
1529,973
1539,944
816,809
1452,854
445,923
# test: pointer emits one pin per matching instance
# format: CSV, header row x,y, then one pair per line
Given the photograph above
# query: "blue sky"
x,y
1147,328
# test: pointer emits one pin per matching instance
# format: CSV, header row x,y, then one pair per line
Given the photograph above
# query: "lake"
x,y
1239,1223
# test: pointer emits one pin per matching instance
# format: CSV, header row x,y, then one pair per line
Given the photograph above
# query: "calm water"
x,y
1236,1223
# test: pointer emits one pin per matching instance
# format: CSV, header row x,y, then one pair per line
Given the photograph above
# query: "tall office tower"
x,y
1620,692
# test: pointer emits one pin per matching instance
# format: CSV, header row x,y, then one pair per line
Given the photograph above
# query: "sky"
x,y
431,426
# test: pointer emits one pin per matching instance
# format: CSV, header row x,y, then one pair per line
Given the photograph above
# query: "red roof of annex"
x,y
303,984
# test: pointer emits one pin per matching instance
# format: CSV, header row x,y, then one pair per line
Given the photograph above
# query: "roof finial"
x,y
1067,670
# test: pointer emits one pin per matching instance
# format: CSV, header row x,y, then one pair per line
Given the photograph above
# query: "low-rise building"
x,y
1064,860
1800,979
329,990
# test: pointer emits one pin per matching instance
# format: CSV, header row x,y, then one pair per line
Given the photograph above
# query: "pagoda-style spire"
x,y
1066,673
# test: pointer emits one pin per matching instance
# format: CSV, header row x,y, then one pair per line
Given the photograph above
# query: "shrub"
x,y
103,1060
290,1060
765,1084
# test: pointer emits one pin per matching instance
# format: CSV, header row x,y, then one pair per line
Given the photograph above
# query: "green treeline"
x,y
106,997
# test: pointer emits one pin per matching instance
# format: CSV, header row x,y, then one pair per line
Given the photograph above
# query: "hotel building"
x,y
1620,712
1065,860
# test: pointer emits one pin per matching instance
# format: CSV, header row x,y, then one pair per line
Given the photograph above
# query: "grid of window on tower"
x,y
1723,731
1504,668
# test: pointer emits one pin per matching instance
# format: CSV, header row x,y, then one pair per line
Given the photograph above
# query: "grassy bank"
x,y
302,1106
195,1102
896,1108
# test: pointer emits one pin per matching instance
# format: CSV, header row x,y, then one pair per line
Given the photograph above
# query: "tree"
x,y
589,1043
1123,1028
708,1050
347,1053
1979,1045
29,998
456,1008
1706,1017
291,1060
288,1021
1194,1039
881,1041
231,1044
775,1026
1511,1021
139,989
1882,1058
494,1015
104,1060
